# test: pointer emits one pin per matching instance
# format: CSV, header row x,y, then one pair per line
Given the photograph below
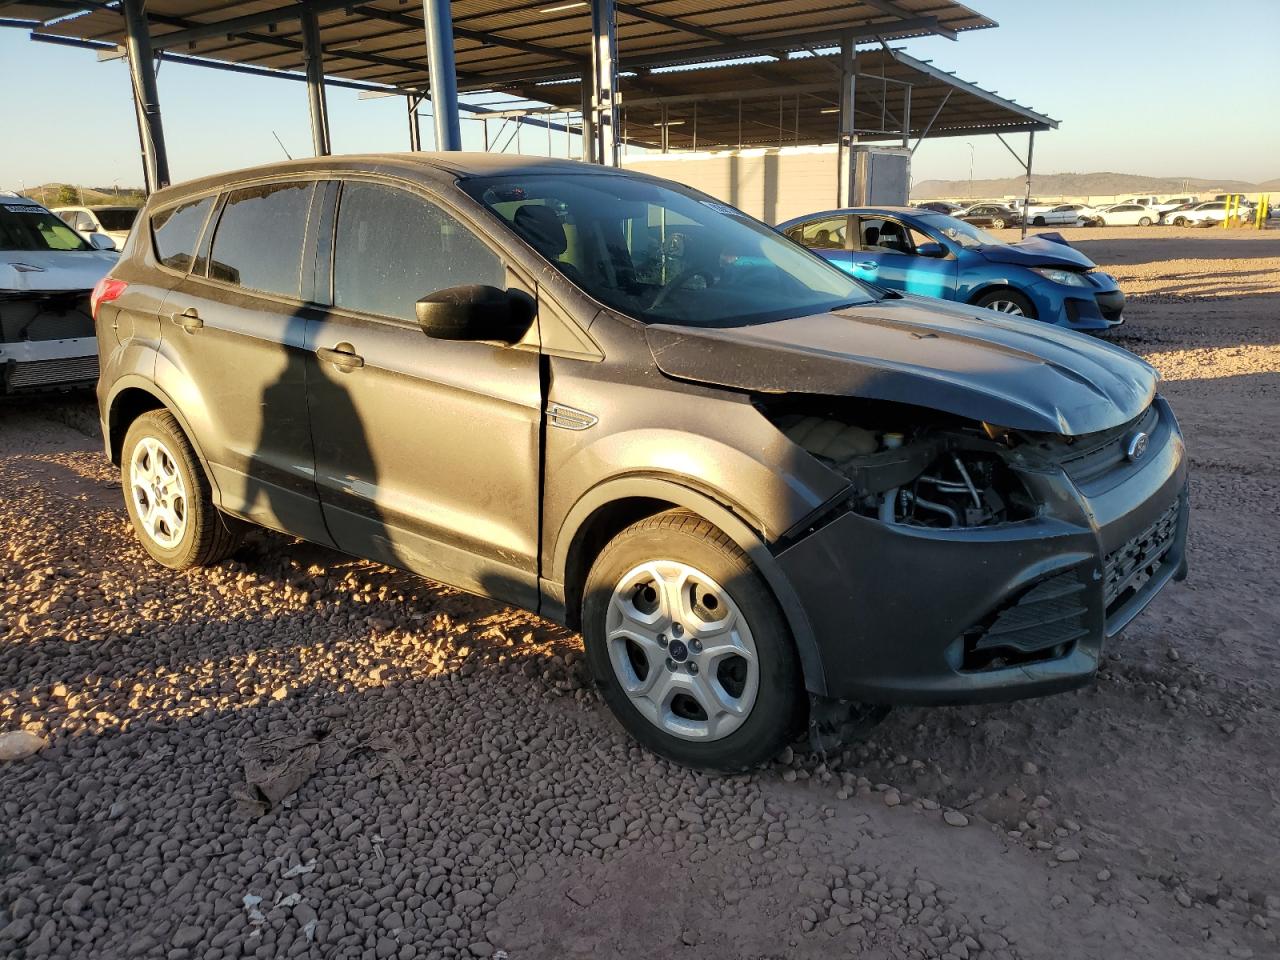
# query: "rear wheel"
x,y
997,224
688,645
168,496
1007,301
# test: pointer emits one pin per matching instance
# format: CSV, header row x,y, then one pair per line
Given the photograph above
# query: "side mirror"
x,y
100,241
475,312
935,250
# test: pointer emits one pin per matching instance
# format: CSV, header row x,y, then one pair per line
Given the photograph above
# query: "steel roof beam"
x,y
895,10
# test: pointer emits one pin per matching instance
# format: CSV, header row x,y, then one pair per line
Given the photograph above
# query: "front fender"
x,y
724,517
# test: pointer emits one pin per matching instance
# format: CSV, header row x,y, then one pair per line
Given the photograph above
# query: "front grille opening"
x,y
1132,566
1042,623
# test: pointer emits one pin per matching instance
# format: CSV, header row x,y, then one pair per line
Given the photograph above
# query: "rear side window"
x,y
258,243
821,234
177,231
393,248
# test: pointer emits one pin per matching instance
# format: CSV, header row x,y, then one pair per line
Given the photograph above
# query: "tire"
x,y
1038,222
997,224
1100,222
1144,221
168,496
1007,301
656,677
1179,221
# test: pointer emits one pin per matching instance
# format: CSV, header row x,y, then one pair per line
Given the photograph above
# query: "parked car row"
x,y
1136,211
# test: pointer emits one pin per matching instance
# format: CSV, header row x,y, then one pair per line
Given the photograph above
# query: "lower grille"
x,y
1040,624
1129,567
47,373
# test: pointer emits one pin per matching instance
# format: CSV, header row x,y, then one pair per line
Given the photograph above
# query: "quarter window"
x,y
177,231
393,248
821,234
258,244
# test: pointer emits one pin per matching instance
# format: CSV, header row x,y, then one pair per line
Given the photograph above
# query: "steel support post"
x,y
1031,147
906,116
846,163
444,75
142,72
604,77
588,122
415,127
313,62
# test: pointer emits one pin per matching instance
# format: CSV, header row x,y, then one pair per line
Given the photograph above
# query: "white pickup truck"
x,y
47,271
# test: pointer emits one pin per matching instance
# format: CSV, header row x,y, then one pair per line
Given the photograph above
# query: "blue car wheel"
x,y
1007,301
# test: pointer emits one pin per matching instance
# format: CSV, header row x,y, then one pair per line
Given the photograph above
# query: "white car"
x,y
1125,215
1073,213
47,271
1211,211
114,221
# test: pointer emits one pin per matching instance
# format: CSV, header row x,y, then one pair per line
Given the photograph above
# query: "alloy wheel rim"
x,y
1006,306
682,651
159,495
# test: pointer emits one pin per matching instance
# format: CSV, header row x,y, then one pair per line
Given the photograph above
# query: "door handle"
x,y
188,319
343,356
867,265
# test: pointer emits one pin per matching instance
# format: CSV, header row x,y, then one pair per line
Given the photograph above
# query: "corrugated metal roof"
x,y
498,42
797,102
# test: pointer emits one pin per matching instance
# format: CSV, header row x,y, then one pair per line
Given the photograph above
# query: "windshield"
x,y
27,226
116,218
957,231
665,256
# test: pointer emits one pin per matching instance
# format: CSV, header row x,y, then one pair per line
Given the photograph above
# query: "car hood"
x,y
1036,252
55,270
972,363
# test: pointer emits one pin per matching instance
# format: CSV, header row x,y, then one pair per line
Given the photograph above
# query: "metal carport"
x,y
470,45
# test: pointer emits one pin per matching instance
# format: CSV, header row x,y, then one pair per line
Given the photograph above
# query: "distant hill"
x,y
1084,184
71,195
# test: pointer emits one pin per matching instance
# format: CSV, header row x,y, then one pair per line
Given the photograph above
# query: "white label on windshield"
x,y
23,208
723,208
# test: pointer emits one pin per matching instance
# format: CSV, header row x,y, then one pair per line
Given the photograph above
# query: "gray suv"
x,y
768,494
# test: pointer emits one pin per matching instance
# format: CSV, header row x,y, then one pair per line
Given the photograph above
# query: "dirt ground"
x,y
472,797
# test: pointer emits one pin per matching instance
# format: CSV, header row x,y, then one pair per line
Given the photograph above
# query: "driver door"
x,y
427,451
888,255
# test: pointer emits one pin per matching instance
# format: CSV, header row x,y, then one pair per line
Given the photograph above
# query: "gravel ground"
x,y
464,793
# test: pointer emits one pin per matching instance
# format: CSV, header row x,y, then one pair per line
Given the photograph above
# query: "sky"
x,y
1139,86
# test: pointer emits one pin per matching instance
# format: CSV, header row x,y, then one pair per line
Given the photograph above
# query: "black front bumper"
x,y
906,614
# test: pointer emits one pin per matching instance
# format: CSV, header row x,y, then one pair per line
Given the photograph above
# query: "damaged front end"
x,y
47,341
969,562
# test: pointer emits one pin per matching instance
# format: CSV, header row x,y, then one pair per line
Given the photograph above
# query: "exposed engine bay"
x,y
924,470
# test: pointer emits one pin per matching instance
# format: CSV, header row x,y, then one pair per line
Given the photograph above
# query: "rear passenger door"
x,y
234,334
427,451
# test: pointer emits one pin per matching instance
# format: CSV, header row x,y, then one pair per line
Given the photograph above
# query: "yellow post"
x,y
1226,213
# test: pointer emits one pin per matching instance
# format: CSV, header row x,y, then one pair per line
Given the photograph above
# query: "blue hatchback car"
x,y
933,255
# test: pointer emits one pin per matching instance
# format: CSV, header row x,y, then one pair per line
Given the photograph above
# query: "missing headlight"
x,y
961,488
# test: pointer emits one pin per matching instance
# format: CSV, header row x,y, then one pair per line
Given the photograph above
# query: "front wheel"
x,y
1100,222
997,224
1179,221
689,647
1007,301
1144,221
1038,222
168,496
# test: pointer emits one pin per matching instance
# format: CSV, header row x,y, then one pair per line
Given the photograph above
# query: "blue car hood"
x,y
1036,252
973,363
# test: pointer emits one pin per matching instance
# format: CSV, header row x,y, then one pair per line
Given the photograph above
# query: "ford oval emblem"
x,y
1137,446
